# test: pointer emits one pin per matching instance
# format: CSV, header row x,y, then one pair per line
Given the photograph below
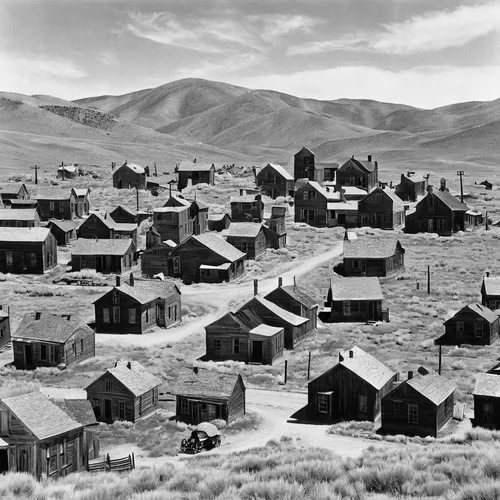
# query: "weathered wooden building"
x,y
192,173
474,324
205,395
161,183
173,223
275,228
125,392
100,225
358,173
82,201
138,306
247,207
311,204
129,176
473,219
304,166
275,181
24,205
490,292
381,208
420,405
487,401
67,172
198,212
156,259
248,237
218,222
64,231
241,336
12,191
10,217
351,390
438,212
27,250
46,339
38,438
409,189
379,257
5,336
125,215
55,202
105,256
353,299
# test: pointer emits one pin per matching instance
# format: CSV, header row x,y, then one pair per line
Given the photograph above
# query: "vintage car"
x,y
205,437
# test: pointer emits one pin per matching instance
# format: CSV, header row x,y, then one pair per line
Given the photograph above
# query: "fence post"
x,y
133,456
286,369
108,462
309,366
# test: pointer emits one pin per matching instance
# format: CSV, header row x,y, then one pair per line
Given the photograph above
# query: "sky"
x,y
424,53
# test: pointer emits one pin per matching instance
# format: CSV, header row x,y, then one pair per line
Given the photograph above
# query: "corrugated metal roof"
x,y
355,289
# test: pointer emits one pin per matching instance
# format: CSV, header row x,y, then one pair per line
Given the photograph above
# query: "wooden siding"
x,y
409,189
374,267
252,211
5,335
490,420
475,330
125,178
253,247
58,209
304,167
377,210
273,184
175,226
105,263
21,223
62,237
94,228
349,174
359,310
156,260
45,256
310,207
196,177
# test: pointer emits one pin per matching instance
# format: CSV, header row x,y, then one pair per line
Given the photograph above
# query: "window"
x,y
147,315
116,314
305,195
413,414
52,452
184,405
176,264
4,422
74,348
51,205
33,260
363,403
355,264
175,312
43,352
131,315
323,403
346,307
121,410
460,327
236,346
70,450
488,412
217,346
8,258
478,328
153,397
105,315
169,312
52,354
63,451
397,405
81,345
108,384
116,297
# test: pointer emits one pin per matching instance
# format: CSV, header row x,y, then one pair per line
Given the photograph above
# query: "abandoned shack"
x,y
487,401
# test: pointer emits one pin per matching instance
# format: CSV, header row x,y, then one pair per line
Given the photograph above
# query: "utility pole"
x,y
286,370
461,173
137,196
439,369
36,168
309,366
486,221
428,279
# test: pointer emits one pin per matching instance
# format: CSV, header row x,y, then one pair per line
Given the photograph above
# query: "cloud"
x,y
429,32
107,58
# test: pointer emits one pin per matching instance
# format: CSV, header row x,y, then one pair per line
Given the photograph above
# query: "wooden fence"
x,y
109,465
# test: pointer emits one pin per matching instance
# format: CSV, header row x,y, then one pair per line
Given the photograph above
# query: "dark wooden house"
x,y
439,212
474,324
100,225
5,336
248,237
490,292
138,306
304,166
46,339
275,228
27,250
192,173
420,405
156,259
173,223
55,202
64,231
38,438
241,336
311,204
275,181
351,390
124,215
24,205
381,208
13,217
247,207
67,172
409,189
82,201
473,219
487,401
218,222
353,299
129,176
293,299
206,258
105,256
205,395
11,191
198,212
358,173
125,392
379,257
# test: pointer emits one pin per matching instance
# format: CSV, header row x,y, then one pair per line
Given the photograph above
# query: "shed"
x,y
64,231
55,202
487,401
248,237
218,222
490,292
247,207
358,173
129,176
17,217
192,173
105,256
381,208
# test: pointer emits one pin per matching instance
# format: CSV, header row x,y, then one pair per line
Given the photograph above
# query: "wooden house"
x,y
129,176
82,201
67,172
5,336
295,326
100,225
173,223
353,299
105,256
10,217
241,336
304,166
341,212
248,237
329,171
473,219
351,390
38,438
11,191
124,215
205,395
55,202
294,300
137,306
218,222
474,324
487,401
156,259
198,212
438,212
27,250
275,228
275,181
410,189
381,208
206,258
125,392
64,231
352,193
418,406
192,173
358,173
490,292
46,339
379,257
311,204
247,207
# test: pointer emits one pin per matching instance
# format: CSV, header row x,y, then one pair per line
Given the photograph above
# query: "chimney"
x,y
68,317
295,281
370,158
280,281
195,370
410,375
442,184
37,315
346,234
131,281
352,157
118,280
129,365
341,358
255,287
487,274
241,192
351,354
429,188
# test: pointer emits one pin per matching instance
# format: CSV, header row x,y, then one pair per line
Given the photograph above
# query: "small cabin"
x,y
381,208
490,292
351,390
411,188
82,201
358,173
173,223
55,202
156,259
13,191
5,335
192,173
248,237
64,231
44,339
206,395
125,392
247,207
275,228
473,219
17,217
67,172
420,405
218,222
487,401
129,176
275,181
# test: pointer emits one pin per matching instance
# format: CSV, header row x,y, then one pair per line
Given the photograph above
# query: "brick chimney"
x,y
255,287
280,281
410,375
442,184
351,354
118,280
370,158
131,281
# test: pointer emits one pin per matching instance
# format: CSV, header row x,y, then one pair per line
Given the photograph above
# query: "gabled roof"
x,y
67,168
367,367
189,166
488,385
283,314
145,291
136,168
81,191
219,246
218,216
20,214
280,170
480,310
356,289
367,166
247,320
432,386
65,225
49,327
104,217
206,384
55,193
266,330
121,208
86,246
491,285
450,201
177,200
11,188
245,229
40,415
370,248
32,234
329,195
294,292
125,227
304,150
79,410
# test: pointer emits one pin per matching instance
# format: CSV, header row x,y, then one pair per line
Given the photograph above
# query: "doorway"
x,y
28,355
257,351
107,409
4,461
